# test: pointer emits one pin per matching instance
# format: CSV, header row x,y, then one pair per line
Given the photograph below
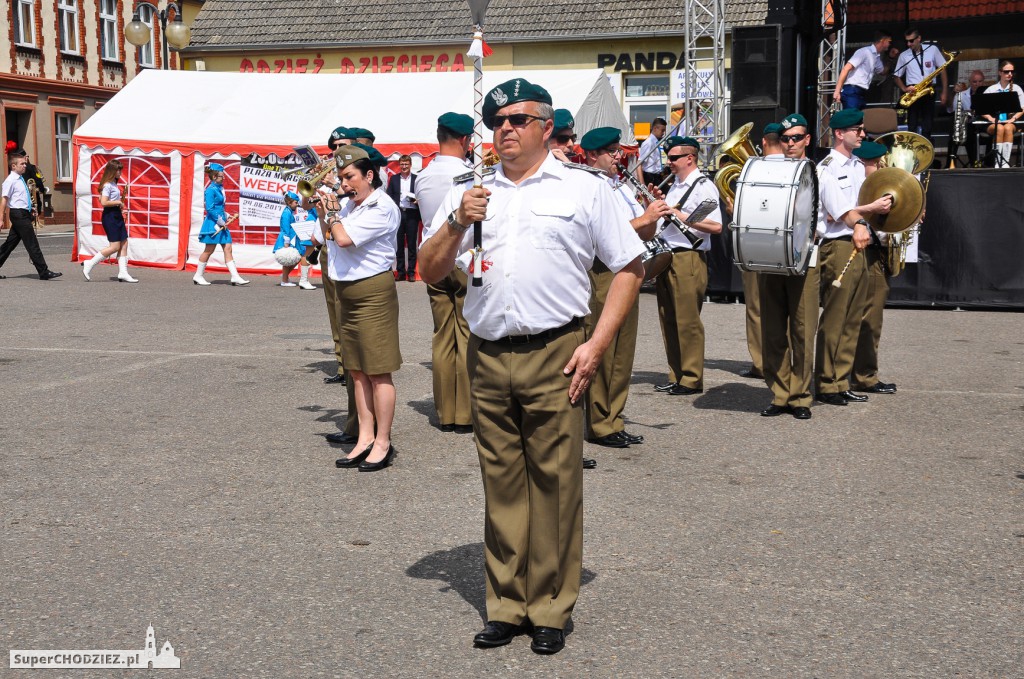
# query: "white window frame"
x,y
67,19
108,30
25,34
146,52
63,129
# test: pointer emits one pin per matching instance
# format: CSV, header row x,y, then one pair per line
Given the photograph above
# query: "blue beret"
x,y
459,123
848,117
291,195
375,156
216,167
870,150
794,120
339,133
772,128
675,141
599,137
512,92
563,119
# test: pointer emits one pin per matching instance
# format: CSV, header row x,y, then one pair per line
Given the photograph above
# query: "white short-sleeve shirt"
x,y
705,190
16,192
111,192
651,155
373,228
539,240
912,68
435,181
839,182
867,63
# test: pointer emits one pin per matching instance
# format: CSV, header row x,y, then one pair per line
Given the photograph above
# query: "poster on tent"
x,y
151,180
261,191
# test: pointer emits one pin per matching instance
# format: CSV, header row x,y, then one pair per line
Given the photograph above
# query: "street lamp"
x,y
177,35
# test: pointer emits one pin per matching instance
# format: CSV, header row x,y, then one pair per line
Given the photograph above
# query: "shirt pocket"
x,y
551,224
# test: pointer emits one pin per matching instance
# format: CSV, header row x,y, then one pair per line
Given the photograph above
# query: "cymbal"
x,y
907,194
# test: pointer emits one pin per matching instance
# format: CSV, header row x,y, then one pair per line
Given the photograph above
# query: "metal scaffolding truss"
x,y
831,58
706,104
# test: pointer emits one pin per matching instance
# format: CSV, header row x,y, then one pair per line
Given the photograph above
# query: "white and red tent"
x,y
166,125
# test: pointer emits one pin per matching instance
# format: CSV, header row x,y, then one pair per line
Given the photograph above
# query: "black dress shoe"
x,y
336,379
384,462
589,463
832,399
774,411
802,413
665,387
496,633
547,640
342,437
680,390
616,440
49,275
446,427
850,396
463,429
752,374
878,388
347,462
634,439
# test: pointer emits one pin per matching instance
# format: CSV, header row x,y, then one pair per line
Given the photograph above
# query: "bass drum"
x,y
656,259
776,215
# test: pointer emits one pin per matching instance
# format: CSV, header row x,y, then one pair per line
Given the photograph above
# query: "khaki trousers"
x,y
789,319
865,360
680,292
334,314
752,299
842,309
609,389
448,349
530,442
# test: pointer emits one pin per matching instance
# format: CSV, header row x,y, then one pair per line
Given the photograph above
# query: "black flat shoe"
x,y
878,388
832,399
665,387
802,413
337,379
377,466
634,439
463,429
496,633
680,390
589,463
343,438
547,640
447,427
752,374
774,411
616,440
49,275
850,396
347,462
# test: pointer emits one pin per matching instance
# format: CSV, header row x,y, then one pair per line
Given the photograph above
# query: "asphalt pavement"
x,y
162,462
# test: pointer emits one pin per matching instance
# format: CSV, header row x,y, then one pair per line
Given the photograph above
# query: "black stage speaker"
x,y
755,78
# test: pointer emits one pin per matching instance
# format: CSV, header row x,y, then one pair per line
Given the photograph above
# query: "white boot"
x,y
122,271
87,267
198,278
1005,149
304,279
235,278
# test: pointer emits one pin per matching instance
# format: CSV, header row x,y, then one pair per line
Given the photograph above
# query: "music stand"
x,y
992,103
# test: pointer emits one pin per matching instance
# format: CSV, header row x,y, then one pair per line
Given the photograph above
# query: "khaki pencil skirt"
x,y
369,324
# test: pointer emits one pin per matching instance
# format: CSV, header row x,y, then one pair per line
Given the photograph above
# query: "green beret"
x,y
374,156
459,123
348,154
512,92
599,137
772,128
339,133
848,117
793,120
563,119
869,150
675,141
361,133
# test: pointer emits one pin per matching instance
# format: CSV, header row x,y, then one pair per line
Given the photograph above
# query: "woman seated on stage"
x,y
361,254
287,237
1002,130
215,227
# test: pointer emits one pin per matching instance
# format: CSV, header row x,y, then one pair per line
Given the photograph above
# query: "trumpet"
x,y
695,240
308,184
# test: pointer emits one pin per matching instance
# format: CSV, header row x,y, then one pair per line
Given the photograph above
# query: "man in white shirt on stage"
x,y
914,65
855,78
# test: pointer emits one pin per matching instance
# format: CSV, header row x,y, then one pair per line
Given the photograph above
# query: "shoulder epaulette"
x,y
828,159
469,175
578,166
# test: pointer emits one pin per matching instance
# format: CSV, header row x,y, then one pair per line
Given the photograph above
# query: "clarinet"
x,y
695,240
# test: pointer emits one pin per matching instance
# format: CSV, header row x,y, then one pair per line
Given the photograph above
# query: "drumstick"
x,y
838,283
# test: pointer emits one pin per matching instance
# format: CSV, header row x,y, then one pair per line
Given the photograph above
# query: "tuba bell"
x,y
729,159
906,150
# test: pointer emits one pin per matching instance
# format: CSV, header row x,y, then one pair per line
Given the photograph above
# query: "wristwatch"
x,y
453,223
863,221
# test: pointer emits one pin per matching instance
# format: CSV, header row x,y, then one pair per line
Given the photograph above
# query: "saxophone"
x,y
959,121
924,88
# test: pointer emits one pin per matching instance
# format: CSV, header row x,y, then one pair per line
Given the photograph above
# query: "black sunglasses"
x,y
792,138
673,159
1007,70
564,138
516,120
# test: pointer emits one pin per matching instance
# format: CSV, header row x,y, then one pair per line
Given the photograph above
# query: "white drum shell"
x,y
776,215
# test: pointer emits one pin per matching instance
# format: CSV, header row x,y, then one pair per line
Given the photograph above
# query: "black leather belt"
x,y
542,335
848,239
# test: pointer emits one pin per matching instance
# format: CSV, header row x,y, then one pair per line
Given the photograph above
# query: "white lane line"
x,y
89,377
176,354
